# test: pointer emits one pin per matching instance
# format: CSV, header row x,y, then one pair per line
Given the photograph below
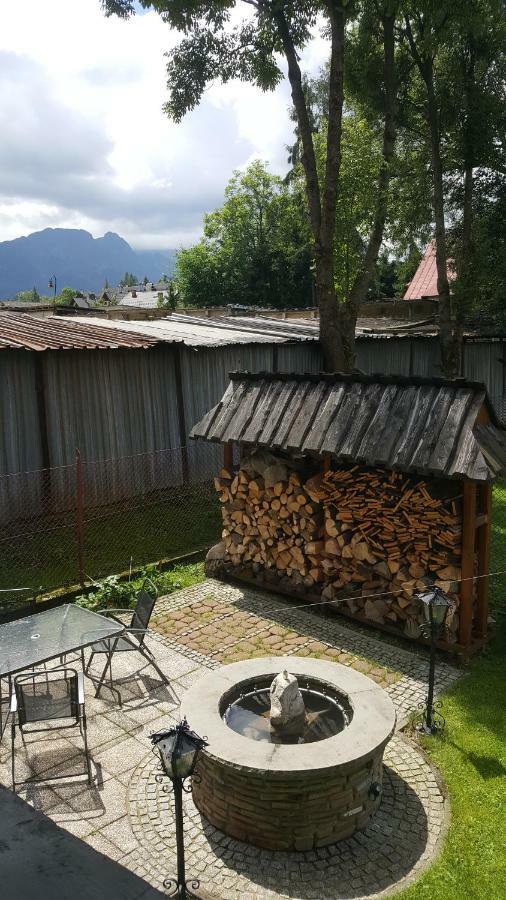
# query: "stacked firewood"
x,y
364,538
269,520
391,537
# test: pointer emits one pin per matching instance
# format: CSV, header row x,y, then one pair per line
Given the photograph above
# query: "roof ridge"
x,y
358,377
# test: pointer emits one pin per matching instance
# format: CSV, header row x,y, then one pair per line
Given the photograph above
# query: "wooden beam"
x,y
481,624
181,415
468,554
228,456
39,358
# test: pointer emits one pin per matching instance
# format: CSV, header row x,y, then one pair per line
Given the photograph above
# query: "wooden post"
x,y
468,553
484,560
80,517
228,456
40,393
181,416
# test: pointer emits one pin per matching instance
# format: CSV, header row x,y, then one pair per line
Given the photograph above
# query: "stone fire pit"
x,y
290,796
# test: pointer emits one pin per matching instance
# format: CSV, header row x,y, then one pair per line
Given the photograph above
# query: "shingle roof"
x,y
418,425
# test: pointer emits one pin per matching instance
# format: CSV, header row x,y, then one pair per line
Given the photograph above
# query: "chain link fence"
x,y
66,526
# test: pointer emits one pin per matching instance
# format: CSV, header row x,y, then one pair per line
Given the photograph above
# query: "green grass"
x,y
472,760
132,535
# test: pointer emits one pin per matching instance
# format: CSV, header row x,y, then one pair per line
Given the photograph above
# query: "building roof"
x,y
19,331
427,426
144,299
424,281
195,331
87,332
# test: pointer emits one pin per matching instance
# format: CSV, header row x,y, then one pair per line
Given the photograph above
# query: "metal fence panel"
x,y
388,356
111,405
483,361
20,443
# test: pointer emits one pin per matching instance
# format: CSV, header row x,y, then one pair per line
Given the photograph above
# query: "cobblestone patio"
x,y
126,816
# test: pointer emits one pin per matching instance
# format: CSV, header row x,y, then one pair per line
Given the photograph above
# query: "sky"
x,y
84,142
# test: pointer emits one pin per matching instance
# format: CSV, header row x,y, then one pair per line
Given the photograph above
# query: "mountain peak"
x,y
76,258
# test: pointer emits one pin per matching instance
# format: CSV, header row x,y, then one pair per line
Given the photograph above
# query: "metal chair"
x,y
132,639
45,696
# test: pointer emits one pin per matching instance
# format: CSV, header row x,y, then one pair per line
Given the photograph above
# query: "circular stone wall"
x,y
290,797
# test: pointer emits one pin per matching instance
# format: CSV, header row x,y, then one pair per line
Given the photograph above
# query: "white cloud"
x,y
85,142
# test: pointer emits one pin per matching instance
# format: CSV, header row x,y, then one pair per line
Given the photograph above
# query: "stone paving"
x,y
222,623
126,816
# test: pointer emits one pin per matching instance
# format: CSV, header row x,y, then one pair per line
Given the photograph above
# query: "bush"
x,y
112,593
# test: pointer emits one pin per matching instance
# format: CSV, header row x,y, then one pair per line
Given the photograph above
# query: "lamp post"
x,y
52,284
435,605
179,749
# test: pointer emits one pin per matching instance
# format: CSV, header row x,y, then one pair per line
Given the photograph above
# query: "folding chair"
x,y
132,638
47,696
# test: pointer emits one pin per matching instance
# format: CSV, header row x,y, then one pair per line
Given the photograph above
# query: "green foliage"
x,y
255,248
128,280
385,282
114,593
360,160
481,286
66,296
168,300
32,296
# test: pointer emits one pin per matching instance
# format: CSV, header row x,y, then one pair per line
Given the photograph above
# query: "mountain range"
x,y
77,259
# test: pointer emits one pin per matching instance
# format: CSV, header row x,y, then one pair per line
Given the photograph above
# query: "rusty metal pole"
x,y
80,516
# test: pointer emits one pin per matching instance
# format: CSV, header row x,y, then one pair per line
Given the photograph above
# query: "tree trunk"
x,y
465,257
322,212
331,336
465,265
448,338
450,345
362,281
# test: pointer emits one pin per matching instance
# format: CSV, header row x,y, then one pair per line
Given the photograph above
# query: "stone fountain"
x,y
295,750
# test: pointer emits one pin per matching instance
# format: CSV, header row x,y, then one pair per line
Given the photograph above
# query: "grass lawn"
x,y
134,533
472,759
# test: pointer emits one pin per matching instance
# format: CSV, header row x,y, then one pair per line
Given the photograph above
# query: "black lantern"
x,y
52,284
179,749
435,604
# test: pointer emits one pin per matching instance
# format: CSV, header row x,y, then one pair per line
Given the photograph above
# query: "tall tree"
x,y
474,67
255,249
378,27
457,47
425,27
212,47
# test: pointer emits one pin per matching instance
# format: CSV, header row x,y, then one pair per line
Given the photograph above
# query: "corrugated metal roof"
x,y
21,331
194,331
410,424
90,332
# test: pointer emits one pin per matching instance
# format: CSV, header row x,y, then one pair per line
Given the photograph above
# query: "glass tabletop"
x,y
35,639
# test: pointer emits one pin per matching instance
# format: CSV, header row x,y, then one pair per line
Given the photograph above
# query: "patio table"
x,y
33,640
